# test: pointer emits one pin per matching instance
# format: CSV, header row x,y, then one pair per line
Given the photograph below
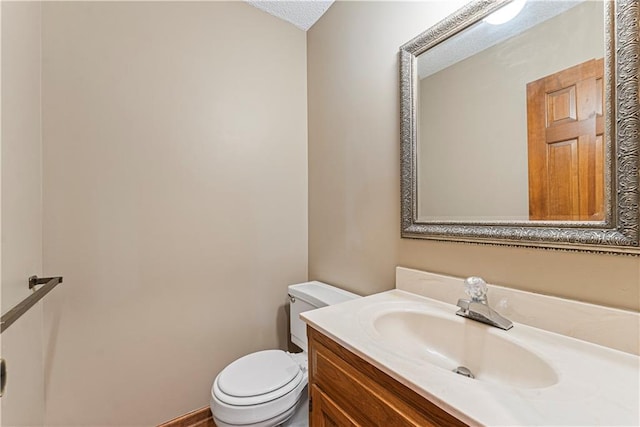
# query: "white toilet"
x,y
268,388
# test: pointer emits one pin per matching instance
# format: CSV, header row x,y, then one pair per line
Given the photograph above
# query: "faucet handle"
x,y
476,288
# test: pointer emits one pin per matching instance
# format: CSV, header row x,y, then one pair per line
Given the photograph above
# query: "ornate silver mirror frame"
x,y
619,232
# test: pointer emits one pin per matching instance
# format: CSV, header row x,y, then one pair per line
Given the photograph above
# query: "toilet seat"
x,y
257,378
258,387
258,399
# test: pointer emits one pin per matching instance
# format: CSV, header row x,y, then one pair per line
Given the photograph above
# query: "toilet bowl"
x,y
269,388
260,389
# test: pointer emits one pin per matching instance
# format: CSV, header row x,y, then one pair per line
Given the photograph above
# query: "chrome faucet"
x,y
478,308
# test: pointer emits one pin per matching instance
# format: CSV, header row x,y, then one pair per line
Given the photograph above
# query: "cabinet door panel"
x,y
326,413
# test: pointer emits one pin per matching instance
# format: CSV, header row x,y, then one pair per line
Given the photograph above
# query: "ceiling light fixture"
x,y
506,13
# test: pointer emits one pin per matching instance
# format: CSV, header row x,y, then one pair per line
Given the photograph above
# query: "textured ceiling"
x,y
301,13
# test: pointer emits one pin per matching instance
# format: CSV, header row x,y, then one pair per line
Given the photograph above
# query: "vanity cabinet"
x,y
346,390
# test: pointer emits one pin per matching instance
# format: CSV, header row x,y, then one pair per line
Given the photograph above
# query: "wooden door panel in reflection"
x,y
565,144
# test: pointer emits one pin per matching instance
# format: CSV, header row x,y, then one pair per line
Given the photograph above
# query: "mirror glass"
x,y
509,118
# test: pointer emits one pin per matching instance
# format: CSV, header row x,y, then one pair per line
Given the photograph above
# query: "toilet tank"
x,y
309,296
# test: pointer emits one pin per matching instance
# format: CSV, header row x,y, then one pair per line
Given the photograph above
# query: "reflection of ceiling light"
x,y
505,13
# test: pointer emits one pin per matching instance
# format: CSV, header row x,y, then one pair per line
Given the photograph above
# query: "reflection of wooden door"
x,y
566,148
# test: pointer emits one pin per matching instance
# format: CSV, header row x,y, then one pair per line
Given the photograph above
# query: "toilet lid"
x,y
258,373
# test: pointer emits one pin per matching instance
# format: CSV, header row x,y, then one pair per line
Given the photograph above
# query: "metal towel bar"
x,y
17,311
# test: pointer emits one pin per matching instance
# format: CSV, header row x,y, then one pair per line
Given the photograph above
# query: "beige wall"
x,y
175,200
354,173
23,403
488,178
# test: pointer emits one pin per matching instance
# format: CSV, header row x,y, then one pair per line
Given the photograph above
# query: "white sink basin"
x,y
423,335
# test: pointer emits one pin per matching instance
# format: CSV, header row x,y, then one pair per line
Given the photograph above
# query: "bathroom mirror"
x,y
519,126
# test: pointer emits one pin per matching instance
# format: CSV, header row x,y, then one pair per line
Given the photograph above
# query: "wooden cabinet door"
x,y
326,413
565,128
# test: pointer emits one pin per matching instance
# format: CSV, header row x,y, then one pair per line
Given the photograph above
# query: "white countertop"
x,y
596,385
